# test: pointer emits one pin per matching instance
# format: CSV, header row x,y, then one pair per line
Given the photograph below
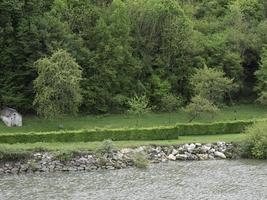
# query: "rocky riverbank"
x,y
117,159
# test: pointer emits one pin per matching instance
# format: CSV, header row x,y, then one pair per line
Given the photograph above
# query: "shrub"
x,y
107,146
155,133
63,156
140,160
200,106
211,84
7,155
170,103
138,105
255,145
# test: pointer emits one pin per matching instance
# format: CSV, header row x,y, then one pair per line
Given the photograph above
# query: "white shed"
x,y
11,117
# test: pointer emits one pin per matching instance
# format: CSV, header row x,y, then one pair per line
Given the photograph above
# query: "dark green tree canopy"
x,y
133,47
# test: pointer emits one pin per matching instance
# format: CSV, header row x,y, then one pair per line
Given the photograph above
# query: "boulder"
x,y
219,154
191,147
171,157
204,149
181,157
174,152
203,156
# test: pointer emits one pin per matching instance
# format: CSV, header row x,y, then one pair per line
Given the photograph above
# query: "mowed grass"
x,y
35,124
92,146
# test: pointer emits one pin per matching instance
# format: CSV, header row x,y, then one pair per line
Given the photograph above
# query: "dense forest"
x,y
128,48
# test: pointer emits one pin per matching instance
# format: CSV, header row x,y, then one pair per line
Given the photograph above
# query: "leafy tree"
x,y
57,85
200,106
170,103
28,31
162,40
112,68
261,75
211,84
138,105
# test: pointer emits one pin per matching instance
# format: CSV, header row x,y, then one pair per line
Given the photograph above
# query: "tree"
x,y
112,66
170,103
199,106
138,105
261,75
163,42
57,86
28,31
211,84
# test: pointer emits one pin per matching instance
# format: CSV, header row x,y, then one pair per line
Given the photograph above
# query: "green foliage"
x,y
128,47
138,105
212,85
200,106
261,75
255,144
18,155
140,160
57,85
138,134
112,65
63,156
170,103
107,146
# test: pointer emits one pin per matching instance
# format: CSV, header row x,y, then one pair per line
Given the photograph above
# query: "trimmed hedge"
x,y
157,133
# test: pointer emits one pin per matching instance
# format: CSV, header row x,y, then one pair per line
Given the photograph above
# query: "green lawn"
x,y
84,146
34,124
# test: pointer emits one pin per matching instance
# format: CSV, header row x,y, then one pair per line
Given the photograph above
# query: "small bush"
x,y
107,146
7,155
64,156
139,105
170,103
140,160
255,145
200,106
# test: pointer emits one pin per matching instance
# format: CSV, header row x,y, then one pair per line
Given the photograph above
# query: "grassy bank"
x,y
34,124
91,146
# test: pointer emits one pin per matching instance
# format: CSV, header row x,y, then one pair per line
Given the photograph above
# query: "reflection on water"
x,y
243,179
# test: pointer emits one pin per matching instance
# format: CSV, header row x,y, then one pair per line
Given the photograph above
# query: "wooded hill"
x,y
134,47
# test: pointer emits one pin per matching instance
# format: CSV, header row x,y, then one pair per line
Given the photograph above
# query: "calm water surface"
x,y
239,180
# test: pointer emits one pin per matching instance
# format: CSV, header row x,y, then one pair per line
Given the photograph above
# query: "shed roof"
x,y
7,112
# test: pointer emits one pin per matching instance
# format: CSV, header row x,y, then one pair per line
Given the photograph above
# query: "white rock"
x,y
191,147
186,146
127,151
198,144
181,156
203,156
220,143
219,154
212,150
174,152
171,157
139,149
208,145
205,149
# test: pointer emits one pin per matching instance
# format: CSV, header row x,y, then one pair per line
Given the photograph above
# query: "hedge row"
x,y
158,133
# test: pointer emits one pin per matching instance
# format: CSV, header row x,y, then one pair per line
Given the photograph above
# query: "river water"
x,y
221,179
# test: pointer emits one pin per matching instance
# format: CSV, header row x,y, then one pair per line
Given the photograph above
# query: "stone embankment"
x,y
117,159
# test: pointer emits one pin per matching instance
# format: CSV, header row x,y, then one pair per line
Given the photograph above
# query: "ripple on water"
x,y
229,180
